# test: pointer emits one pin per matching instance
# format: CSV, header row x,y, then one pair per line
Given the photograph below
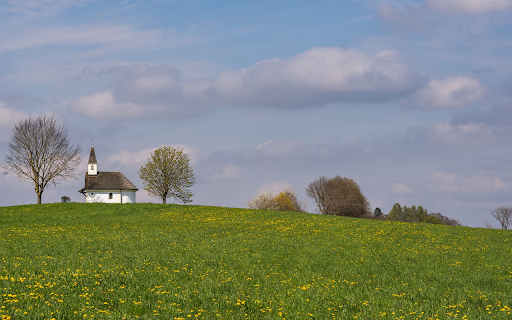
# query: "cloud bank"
x,y
451,92
136,159
469,6
312,78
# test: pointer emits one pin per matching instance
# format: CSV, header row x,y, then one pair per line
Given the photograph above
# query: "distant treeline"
x,y
415,214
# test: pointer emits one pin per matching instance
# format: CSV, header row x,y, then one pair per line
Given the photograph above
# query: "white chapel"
x,y
107,187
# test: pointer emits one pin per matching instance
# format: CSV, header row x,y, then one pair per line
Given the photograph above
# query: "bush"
x,y
338,196
377,212
286,200
433,219
283,202
297,204
445,220
65,199
263,201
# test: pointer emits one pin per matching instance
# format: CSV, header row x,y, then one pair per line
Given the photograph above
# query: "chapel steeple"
x,y
92,165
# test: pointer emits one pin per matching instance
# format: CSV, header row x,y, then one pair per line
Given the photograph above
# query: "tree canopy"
x,y
338,196
168,174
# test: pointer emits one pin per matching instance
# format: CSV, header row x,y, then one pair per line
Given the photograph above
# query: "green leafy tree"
x,y
395,213
421,214
377,212
338,196
168,174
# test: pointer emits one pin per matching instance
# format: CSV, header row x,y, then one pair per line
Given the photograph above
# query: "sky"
x,y
410,99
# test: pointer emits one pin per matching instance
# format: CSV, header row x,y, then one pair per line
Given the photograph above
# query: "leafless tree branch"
x,y
504,216
40,151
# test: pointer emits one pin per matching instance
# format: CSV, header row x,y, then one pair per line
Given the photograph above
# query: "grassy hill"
x,y
150,261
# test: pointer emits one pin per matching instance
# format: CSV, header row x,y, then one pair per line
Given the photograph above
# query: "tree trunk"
x,y
39,192
164,200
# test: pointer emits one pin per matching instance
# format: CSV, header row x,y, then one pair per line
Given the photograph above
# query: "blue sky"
x,y
411,99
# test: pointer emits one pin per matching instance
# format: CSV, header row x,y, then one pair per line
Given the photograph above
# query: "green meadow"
x,y
152,261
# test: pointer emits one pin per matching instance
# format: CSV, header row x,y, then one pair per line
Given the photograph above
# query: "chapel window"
x,y
110,195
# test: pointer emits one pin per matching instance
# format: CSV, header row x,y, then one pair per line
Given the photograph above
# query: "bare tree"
x,y
504,216
40,151
168,174
338,196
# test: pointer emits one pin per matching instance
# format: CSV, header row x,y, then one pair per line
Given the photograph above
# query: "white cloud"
x,y
483,182
451,92
278,149
400,188
136,159
39,7
312,78
469,6
102,105
327,74
145,91
462,134
229,172
274,187
264,144
8,118
113,37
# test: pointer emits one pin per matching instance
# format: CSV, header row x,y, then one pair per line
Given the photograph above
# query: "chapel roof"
x,y
108,181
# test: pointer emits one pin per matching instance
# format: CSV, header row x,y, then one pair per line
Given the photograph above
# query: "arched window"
x,y
110,196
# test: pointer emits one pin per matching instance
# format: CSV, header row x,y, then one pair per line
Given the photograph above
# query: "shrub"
x,y
65,199
283,202
445,220
286,200
377,212
433,219
338,196
297,204
263,201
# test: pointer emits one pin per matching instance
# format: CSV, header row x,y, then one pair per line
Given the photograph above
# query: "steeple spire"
x,y
92,165
92,156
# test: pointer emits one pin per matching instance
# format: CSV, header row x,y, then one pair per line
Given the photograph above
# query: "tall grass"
x,y
104,261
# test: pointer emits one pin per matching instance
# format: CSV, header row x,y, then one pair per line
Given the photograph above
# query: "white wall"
x,y
126,196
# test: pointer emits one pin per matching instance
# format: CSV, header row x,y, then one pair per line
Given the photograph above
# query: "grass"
x,y
150,261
